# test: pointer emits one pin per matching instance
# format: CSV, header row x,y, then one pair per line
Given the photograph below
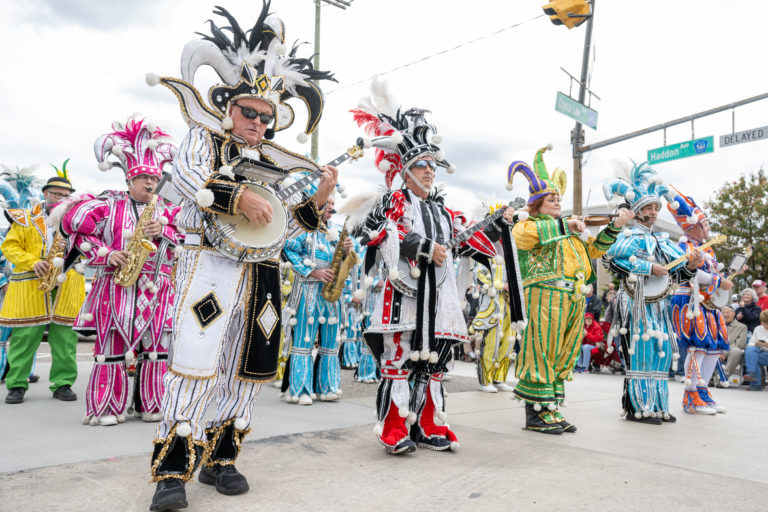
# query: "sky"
x,y
71,67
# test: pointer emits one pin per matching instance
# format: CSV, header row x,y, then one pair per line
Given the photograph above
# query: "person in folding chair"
x,y
226,334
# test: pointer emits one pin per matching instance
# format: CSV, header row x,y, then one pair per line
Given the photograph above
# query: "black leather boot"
x,y
174,460
541,421
227,479
169,495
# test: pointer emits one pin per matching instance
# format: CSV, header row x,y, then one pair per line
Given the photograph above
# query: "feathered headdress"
x,y
19,187
540,183
686,212
61,179
255,63
642,186
399,136
137,147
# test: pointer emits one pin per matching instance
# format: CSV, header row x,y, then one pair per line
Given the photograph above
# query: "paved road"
x,y
325,457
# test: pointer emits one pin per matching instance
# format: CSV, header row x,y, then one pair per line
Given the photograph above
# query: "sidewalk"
x,y
325,457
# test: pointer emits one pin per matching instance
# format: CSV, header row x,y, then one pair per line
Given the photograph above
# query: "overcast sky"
x,y
70,67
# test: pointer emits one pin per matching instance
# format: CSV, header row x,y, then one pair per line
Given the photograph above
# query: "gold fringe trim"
x,y
238,436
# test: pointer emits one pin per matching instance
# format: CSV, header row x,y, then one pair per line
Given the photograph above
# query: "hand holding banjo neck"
x,y
717,240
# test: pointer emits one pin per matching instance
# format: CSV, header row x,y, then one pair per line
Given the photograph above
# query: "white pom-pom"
x,y
152,288
152,144
183,429
631,351
393,275
537,407
384,165
674,205
433,357
551,407
240,424
424,354
88,317
646,414
204,197
627,232
152,79
104,166
85,247
281,49
632,278
687,383
227,124
645,336
302,138
127,233
523,215
492,292
499,259
610,349
177,250
638,415
61,278
675,356
311,320
153,356
652,414
692,219
633,259
378,429
58,262
332,235
725,384
635,337
451,169
689,315
293,321
321,320
411,419
550,147
403,412
415,272
439,155
662,354
226,170
652,258
368,281
623,330
682,240
307,262
163,221
397,138
485,287
701,383
437,138
415,356
630,195
584,288
101,358
359,294
475,294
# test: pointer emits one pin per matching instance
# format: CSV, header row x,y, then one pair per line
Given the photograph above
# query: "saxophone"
x,y
51,279
139,248
332,291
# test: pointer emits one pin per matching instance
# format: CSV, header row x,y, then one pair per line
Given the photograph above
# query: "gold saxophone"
x,y
51,279
332,291
139,248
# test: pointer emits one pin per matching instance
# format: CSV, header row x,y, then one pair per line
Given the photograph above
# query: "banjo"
x,y
656,288
720,297
406,284
237,238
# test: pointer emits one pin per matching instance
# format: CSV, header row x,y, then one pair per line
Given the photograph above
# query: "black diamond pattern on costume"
x,y
207,310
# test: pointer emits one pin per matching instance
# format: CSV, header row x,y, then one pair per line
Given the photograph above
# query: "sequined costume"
x,y
132,319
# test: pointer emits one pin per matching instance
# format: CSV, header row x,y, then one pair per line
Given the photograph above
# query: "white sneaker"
x,y
489,388
330,397
503,386
108,420
277,384
705,410
719,408
305,400
121,418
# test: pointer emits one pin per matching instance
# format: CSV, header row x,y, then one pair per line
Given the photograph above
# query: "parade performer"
x,y
311,255
350,329
19,188
493,324
226,329
643,317
699,325
555,256
411,334
287,278
36,252
130,237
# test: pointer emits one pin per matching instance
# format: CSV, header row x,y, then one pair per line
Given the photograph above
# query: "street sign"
x,y
745,136
575,110
681,150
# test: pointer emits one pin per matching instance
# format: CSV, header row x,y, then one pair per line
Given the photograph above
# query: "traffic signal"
x,y
570,13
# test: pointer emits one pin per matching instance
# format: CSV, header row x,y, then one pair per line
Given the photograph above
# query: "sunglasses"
x,y
59,195
250,113
423,164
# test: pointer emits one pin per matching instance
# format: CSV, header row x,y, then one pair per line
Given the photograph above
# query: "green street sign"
x,y
575,110
681,150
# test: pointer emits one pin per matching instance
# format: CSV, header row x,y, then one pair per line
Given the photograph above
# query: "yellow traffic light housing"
x,y
570,13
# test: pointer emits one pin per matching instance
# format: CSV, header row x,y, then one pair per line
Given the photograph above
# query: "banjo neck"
x,y
354,152
717,240
467,233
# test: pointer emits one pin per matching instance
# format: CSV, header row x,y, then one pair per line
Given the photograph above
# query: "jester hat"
x,y
686,213
61,179
642,186
540,183
254,63
137,147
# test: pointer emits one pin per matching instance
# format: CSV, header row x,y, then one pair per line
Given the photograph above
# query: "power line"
x,y
442,52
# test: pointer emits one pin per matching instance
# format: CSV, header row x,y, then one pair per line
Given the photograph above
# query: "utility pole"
x,y
341,4
577,135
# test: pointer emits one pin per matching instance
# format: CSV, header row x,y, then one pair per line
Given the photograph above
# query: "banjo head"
x,y
407,284
237,238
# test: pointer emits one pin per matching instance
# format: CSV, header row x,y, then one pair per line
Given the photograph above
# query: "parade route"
x,y
324,457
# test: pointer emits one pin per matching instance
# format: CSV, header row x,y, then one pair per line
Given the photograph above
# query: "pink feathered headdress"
x,y
138,147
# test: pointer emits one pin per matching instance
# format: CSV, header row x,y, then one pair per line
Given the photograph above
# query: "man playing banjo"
x,y
643,316
413,325
226,332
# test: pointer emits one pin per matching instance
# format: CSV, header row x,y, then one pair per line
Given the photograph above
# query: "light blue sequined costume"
x,y
368,371
313,314
350,333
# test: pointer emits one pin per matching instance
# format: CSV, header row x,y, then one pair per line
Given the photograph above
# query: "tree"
x,y
739,210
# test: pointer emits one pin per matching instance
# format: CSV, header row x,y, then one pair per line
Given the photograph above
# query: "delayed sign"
x,y
745,136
